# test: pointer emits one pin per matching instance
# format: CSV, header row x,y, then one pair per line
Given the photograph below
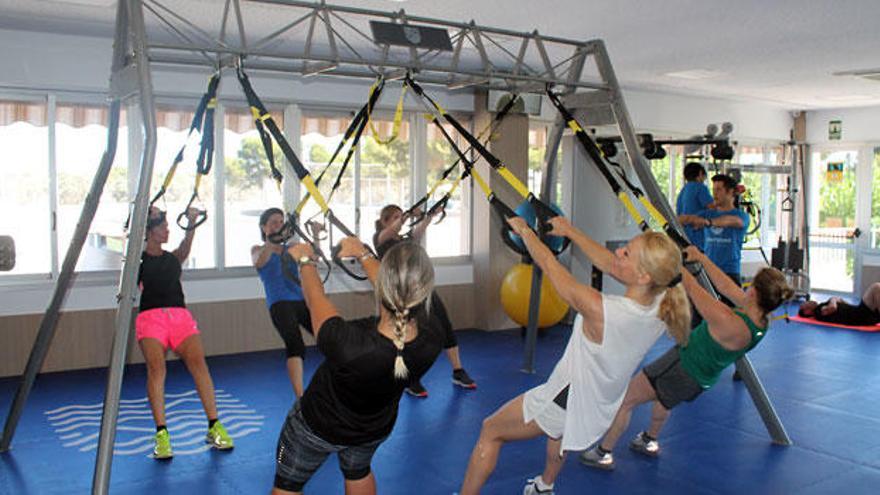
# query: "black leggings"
x,y
438,312
287,316
847,314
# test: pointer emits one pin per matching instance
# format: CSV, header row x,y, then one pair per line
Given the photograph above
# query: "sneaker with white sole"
x,y
462,379
162,450
531,488
645,446
416,389
595,459
218,438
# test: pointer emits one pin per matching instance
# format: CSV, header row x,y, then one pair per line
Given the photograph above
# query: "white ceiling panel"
x,y
781,51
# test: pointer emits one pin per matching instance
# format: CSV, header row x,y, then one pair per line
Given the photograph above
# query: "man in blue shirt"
x,y
693,198
724,227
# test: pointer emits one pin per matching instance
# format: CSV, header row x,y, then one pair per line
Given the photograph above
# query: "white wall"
x,y
860,125
663,112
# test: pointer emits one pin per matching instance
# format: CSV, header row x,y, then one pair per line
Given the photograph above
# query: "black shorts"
x,y
287,316
670,381
300,452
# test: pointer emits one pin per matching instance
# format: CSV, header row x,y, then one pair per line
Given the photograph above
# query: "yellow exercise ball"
x,y
516,290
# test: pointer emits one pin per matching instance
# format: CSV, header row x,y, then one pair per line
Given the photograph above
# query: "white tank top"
x,y
598,374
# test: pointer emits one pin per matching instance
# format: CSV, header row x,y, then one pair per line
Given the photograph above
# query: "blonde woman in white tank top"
x,y
610,337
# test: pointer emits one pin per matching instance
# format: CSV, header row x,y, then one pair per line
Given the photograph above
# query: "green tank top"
x,y
704,359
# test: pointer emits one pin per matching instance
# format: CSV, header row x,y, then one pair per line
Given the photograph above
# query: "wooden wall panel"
x,y
84,338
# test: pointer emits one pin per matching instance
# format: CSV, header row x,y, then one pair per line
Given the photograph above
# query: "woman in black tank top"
x,y
391,220
836,310
164,322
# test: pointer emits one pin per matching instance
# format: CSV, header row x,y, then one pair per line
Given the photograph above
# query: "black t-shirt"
x,y
383,248
353,396
159,277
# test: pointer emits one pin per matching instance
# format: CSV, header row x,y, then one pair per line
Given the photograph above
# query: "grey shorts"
x,y
301,452
670,381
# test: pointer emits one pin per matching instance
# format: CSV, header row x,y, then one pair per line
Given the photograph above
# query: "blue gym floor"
x,y
822,383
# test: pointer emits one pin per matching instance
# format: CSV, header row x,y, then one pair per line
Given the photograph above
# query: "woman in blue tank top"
x,y
284,298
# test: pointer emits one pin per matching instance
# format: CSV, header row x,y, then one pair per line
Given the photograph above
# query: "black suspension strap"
x,y
262,115
543,212
203,121
416,211
601,161
355,129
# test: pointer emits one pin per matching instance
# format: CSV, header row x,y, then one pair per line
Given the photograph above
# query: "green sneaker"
x,y
218,438
162,450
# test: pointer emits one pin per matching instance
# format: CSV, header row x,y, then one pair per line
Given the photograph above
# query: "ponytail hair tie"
x,y
675,281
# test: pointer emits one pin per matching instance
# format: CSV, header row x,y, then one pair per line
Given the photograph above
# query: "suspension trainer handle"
x,y
334,251
544,213
288,264
200,219
290,229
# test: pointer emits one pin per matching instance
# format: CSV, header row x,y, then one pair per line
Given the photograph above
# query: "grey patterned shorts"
x,y
301,452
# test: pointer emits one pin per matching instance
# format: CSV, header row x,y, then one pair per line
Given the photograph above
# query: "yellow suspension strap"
x,y
203,121
355,129
543,212
486,134
503,211
398,118
301,172
601,162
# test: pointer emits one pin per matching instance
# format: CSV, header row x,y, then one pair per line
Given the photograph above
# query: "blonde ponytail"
x,y
661,260
400,320
405,281
675,312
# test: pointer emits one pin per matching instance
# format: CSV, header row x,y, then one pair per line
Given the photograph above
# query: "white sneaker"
x,y
642,445
531,488
596,460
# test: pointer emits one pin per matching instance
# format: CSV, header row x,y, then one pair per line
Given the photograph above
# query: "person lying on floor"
x,y
836,310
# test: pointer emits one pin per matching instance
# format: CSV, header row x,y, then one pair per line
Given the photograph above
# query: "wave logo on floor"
x,y
78,425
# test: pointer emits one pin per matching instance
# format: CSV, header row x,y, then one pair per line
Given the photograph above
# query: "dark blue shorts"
x,y
301,452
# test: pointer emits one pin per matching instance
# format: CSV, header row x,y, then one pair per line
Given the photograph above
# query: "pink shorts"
x,y
170,326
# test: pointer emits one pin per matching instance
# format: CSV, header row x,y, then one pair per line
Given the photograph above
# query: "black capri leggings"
x,y
287,316
438,311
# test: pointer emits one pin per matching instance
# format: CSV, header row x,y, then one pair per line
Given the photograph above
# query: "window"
x,y
538,135
386,172
662,171
173,126
451,237
875,201
24,184
321,135
249,186
81,139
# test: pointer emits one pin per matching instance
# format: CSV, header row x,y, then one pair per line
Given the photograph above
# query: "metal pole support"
x,y
547,192
652,190
134,246
49,322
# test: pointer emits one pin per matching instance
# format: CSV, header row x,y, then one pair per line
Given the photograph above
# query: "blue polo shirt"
x,y
724,244
693,198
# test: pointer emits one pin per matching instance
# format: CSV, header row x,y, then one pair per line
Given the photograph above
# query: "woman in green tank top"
x,y
686,370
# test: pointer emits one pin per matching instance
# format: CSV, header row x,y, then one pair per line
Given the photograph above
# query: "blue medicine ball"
x,y
527,212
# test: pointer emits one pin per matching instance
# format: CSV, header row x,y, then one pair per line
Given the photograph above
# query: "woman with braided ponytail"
x,y
609,338
350,406
388,226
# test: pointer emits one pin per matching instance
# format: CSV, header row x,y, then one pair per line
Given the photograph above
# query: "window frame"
x,y
292,112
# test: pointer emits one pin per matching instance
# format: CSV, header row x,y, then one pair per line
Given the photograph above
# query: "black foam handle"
x,y
203,216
